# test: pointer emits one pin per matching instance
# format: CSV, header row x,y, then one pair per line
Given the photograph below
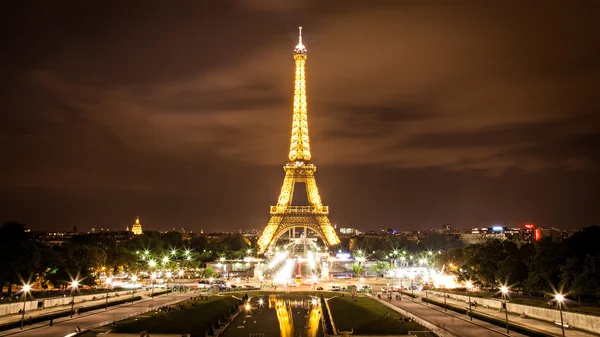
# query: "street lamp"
x,y
26,289
445,297
134,279
504,290
560,298
412,289
74,285
152,277
108,280
469,285
167,284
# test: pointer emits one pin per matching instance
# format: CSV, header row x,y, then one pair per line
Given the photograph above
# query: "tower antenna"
x,y
300,35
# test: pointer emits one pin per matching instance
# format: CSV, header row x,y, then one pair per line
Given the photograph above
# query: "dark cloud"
x,y
188,105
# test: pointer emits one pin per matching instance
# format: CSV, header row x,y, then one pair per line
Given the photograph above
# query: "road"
x,y
65,326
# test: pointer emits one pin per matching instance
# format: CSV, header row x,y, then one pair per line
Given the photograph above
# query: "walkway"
x,y
546,327
12,318
456,324
66,325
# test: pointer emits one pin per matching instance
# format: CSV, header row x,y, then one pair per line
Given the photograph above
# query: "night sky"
x,y
420,114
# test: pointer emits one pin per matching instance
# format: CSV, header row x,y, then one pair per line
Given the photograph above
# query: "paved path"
x,y
12,318
452,322
544,326
65,326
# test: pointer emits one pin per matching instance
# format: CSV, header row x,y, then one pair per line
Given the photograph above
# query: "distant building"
x,y
137,227
447,227
349,230
480,235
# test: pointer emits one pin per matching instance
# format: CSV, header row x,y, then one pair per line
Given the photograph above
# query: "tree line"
x,y
25,258
570,265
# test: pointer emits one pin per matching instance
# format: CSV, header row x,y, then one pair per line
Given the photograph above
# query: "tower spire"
x,y
300,48
299,143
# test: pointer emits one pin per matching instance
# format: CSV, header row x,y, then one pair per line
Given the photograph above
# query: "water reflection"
x,y
283,307
284,315
314,318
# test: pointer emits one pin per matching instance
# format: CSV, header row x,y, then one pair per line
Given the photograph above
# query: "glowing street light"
x,y
247,307
560,298
412,289
152,263
165,259
314,301
108,281
26,289
469,285
180,273
173,251
504,290
261,301
133,279
74,285
152,280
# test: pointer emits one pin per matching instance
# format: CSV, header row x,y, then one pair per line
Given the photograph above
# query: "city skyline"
x,y
420,115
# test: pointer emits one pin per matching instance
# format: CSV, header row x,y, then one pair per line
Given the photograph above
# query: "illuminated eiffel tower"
x,y
299,169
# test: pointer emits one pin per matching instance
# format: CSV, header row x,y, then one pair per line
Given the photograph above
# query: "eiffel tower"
x,y
299,169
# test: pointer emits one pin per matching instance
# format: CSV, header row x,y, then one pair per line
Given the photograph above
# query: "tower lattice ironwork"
x,y
299,168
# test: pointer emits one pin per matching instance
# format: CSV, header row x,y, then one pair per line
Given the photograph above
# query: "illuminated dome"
x,y
137,227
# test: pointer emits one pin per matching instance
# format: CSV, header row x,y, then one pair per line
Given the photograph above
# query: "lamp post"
x,y
504,290
107,287
26,289
560,298
134,279
469,285
74,285
412,289
445,296
167,284
152,277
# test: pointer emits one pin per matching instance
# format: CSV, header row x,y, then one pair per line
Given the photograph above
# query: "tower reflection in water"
x,y
283,308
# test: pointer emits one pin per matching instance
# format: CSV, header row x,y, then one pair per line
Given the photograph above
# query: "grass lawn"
x,y
195,320
368,317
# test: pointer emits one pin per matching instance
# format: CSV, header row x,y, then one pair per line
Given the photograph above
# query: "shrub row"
x,y
409,294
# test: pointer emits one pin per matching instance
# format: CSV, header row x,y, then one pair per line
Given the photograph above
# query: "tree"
x,y
358,268
20,258
380,268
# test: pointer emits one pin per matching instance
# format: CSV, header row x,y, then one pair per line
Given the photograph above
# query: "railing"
x,y
300,209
